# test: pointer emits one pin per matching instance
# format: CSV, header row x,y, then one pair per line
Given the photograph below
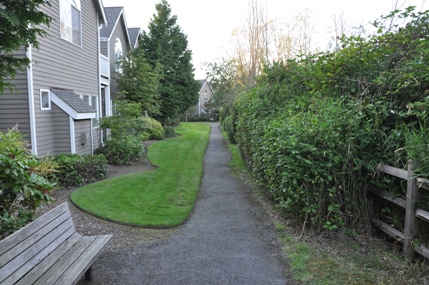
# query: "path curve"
x,y
229,238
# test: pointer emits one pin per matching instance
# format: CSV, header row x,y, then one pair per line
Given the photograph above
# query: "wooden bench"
x,y
49,251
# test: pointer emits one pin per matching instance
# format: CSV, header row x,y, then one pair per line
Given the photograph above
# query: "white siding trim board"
x,y
72,136
31,102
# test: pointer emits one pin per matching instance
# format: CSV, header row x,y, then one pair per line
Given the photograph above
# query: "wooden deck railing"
x,y
414,185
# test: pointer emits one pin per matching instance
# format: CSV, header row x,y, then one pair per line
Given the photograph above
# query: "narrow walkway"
x,y
228,240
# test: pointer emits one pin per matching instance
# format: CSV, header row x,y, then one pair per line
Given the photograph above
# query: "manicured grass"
x,y
163,197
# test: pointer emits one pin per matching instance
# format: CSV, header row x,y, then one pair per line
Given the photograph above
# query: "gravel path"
x,y
229,238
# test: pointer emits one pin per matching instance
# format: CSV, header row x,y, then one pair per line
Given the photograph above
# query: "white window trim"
x,y
81,27
97,109
49,99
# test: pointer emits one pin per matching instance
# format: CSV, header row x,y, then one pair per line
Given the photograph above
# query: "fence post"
x,y
410,217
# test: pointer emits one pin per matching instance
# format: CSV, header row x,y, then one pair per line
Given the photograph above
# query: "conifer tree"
x,y
166,46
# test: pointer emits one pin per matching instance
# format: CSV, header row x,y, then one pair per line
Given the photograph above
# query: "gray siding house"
x,y
58,97
205,94
115,42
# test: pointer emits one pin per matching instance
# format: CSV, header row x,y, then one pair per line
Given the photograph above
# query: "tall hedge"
x,y
314,129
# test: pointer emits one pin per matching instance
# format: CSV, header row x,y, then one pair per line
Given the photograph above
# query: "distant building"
x,y
205,94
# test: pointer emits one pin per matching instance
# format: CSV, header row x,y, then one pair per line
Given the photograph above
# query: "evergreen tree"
x,y
166,45
139,82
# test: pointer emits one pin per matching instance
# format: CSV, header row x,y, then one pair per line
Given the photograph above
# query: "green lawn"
x,y
163,197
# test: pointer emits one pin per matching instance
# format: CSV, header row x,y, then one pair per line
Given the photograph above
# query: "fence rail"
x,y
414,184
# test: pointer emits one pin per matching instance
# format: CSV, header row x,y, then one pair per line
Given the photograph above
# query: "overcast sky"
x,y
208,24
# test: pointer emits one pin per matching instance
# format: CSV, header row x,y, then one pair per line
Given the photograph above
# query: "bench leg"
x,y
88,274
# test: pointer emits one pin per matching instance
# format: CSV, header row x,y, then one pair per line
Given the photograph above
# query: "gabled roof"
x,y
134,36
72,104
102,14
203,82
114,15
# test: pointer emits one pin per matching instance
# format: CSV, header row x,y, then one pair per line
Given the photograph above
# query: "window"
x,y
95,106
92,101
118,55
45,100
70,21
86,99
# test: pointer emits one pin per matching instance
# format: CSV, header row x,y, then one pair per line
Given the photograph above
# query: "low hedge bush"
x,y
169,132
122,150
152,127
77,170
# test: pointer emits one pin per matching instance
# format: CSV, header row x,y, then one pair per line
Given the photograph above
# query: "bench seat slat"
x,y
73,274
48,251
35,247
40,222
34,238
32,269
52,273
64,262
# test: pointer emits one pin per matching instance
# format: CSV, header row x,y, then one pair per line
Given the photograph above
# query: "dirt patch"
x,y
123,236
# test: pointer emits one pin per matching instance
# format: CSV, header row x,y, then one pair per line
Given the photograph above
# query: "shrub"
x,y
152,127
313,130
228,127
122,150
76,170
169,132
22,189
128,129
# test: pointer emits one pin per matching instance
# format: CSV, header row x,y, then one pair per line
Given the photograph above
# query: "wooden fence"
x,y
414,184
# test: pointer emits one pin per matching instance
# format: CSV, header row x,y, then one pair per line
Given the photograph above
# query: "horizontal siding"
x,y
83,126
61,126
14,108
59,63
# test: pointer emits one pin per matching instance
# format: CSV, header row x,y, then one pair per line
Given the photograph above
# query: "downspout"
x,y
32,115
91,130
100,108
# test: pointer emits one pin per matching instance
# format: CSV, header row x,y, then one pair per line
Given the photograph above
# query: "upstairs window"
x,y
70,21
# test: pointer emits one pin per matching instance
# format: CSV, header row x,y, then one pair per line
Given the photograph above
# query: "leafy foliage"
x,y
126,134
169,132
313,129
139,82
19,26
229,126
23,183
122,150
227,84
153,128
166,47
128,129
77,170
